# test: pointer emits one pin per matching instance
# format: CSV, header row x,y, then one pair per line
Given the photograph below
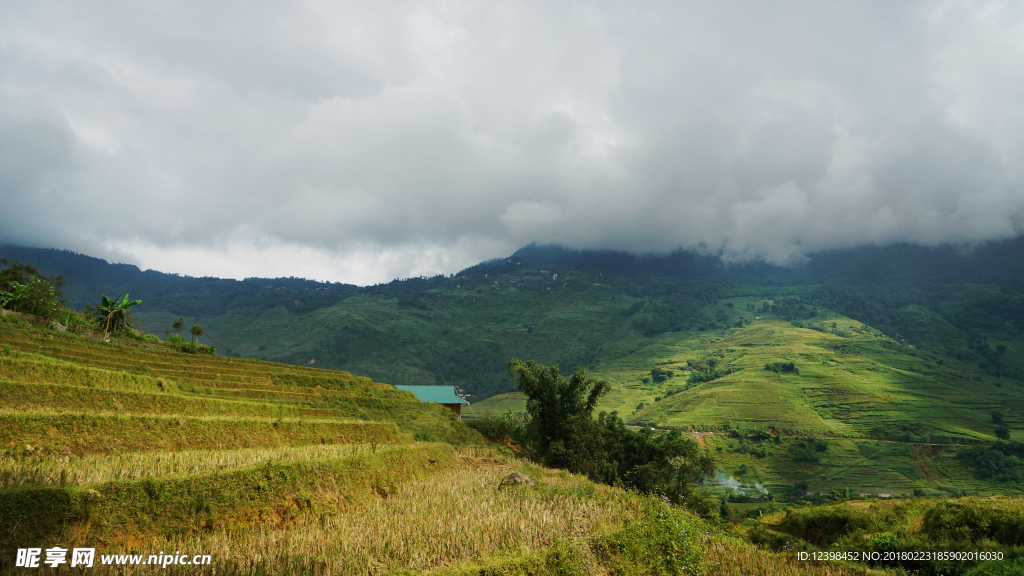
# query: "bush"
x,y
706,371
179,344
24,289
493,429
997,462
663,540
660,374
971,521
782,367
807,450
74,322
998,568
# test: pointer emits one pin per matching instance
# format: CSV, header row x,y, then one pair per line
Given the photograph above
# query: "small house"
x,y
443,395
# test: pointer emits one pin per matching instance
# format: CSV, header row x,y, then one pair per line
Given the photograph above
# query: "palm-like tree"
x,y
114,314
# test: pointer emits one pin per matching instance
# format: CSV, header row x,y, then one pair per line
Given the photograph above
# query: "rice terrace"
x,y
757,432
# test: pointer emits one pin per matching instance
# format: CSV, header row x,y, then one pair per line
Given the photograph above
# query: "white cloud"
x,y
364,141
529,219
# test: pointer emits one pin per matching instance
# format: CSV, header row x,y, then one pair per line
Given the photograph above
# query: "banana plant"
x,y
114,313
15,295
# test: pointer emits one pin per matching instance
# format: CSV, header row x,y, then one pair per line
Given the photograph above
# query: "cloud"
x,y
360,142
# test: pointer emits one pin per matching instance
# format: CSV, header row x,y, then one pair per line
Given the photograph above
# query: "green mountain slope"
x,y
859,411
566,307
855,385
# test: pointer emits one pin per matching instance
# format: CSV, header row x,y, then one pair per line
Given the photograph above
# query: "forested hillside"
x,y
574,307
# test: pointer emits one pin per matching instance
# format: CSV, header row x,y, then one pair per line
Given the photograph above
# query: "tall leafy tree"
x,y
115,314
561,428
196,331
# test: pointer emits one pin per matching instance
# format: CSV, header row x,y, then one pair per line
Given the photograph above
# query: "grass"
x,y
277,491
101,468
43,371
87,433
455,523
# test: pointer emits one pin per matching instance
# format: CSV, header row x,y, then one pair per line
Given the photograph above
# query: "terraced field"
x,y
260,468
140,452
892,418
107,444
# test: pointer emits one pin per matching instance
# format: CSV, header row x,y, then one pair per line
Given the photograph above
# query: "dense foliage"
x,y
916,527
1001,461
24,289
782,367
560,431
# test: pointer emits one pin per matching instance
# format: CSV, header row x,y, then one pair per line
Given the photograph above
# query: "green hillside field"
x,y
147,454
135,448
886,417
901,355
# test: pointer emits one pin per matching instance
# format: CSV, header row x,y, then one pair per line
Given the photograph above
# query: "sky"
x,y
365,141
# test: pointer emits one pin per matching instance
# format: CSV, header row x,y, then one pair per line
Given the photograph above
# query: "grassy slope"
x,y
894,415
990,526
135,450
55,373
856,386
853,386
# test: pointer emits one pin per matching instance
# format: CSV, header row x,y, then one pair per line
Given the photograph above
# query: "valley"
x,y
897,397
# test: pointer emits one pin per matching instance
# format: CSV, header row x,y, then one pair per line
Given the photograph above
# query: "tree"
x,y
1003,432
724,512
196,331
660,374
24,289
666,463
997,417
115,314
560,428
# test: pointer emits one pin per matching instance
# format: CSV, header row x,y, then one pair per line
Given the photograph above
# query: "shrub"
x,y
74,322
662,541
661,374
24,289
782,367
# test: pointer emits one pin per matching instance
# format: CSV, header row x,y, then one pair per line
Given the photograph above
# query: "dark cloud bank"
x,y
365,141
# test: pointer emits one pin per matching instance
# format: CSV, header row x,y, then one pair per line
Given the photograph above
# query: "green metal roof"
x,y
438,394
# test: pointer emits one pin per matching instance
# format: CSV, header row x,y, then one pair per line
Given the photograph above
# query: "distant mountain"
x,y
566,306
880,369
